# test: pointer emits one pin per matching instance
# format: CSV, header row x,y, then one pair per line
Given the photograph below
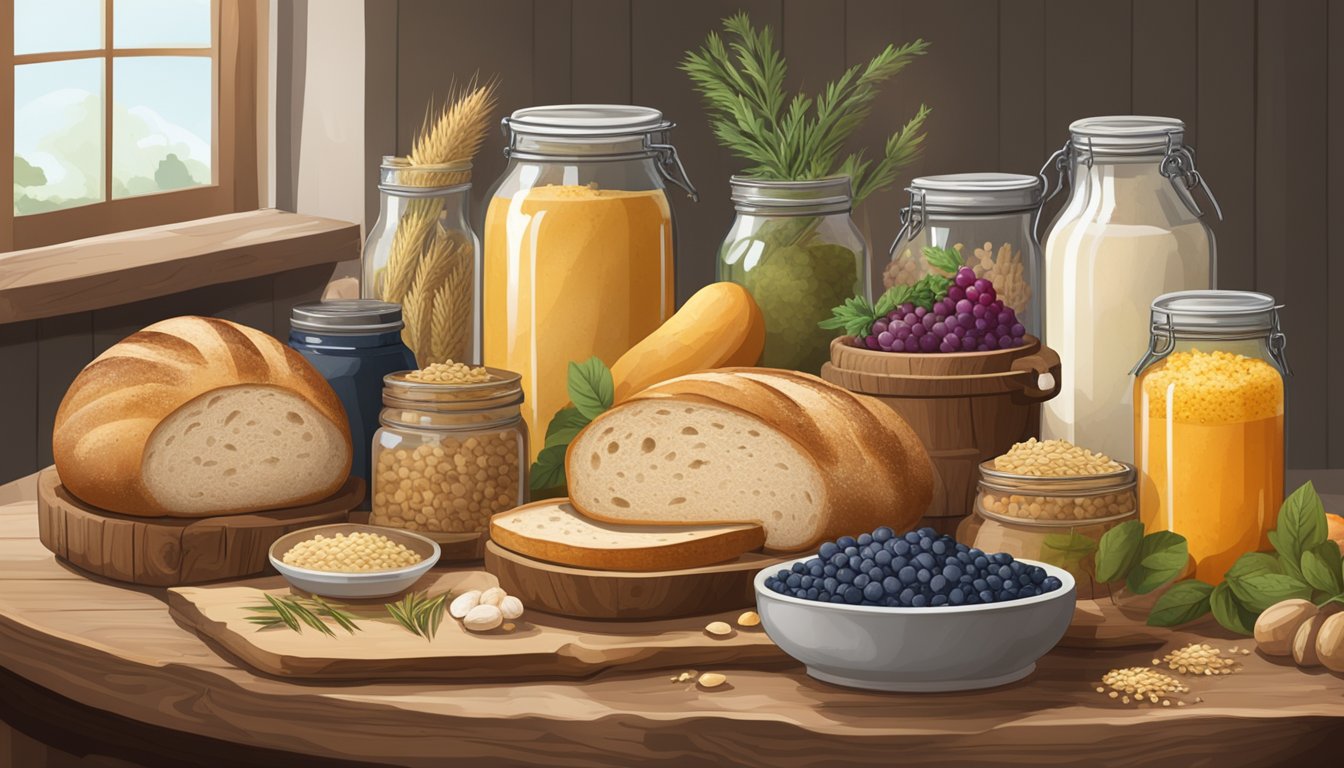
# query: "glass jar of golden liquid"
x,y
1208,423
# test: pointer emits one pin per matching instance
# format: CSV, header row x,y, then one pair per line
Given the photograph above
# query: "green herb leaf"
x,y
1301,525
284,613
1118,551
1287,563
894,297
590,387
856,317
565,426
1230,613
1162,555
947,260
1066,550
1184,602
302,613
1252,563
1321,568
1261,590
548,471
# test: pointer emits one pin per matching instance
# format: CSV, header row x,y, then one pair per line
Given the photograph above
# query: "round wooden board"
x,y
589,594
167,551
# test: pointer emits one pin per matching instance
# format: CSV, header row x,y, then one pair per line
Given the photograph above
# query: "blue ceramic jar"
x,y
353,343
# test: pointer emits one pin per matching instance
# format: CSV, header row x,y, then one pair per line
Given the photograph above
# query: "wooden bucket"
x,y
967,407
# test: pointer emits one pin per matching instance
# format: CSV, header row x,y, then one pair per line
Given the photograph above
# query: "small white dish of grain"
x,y
353,561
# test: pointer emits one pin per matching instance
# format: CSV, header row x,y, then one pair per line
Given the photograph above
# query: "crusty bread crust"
x,y
875,467
114,405
726,544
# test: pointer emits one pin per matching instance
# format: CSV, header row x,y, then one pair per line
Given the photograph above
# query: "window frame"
x,y
235,31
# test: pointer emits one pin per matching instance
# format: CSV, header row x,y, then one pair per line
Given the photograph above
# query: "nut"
x,y
463,603
719,628
1330,642
1278,625
511,607
749,619
1304,642
493,596
509,626
483,618
712,680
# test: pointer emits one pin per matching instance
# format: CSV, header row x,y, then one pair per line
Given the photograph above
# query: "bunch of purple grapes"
x,y
970,318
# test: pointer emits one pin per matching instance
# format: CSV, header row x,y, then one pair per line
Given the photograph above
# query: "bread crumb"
x,y
749,619
510,626
712,680
719,628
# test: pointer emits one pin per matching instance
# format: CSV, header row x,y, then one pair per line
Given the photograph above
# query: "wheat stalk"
x,y
455,134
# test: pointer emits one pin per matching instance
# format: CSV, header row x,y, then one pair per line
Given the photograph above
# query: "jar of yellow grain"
x,y
451,451
1208,423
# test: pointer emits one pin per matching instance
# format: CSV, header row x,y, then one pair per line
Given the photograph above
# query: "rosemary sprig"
x,y
798,137
418,613
293,613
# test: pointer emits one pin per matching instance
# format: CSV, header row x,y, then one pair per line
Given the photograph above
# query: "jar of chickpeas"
x,y
1051,501
451,452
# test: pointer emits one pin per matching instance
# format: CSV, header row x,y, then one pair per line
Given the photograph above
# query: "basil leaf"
x,y
1321,568
943,259
1252,563
590,387
548,471
1184,602
1261,590
1229,612
1066,550
565,424
1301,524
1287,563
1162,555
1118,551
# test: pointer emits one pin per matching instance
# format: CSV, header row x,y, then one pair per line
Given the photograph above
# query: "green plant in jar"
x,y
794,246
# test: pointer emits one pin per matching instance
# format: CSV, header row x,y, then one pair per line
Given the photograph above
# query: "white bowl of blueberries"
x,y
914,612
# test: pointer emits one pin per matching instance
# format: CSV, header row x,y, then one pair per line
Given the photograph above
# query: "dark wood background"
x,y
1254,81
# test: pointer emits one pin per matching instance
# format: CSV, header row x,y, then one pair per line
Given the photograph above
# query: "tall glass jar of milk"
x,y
1131,231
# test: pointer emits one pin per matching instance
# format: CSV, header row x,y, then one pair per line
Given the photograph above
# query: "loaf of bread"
x,y
196,416
804,459
553,531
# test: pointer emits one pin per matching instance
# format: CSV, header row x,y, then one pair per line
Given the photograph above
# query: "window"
x,y
125,113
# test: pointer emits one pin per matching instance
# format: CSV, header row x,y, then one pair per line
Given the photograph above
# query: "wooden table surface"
x,y
115,649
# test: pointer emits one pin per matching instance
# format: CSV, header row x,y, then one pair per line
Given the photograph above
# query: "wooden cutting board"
x,y
541,646
627,595
170,551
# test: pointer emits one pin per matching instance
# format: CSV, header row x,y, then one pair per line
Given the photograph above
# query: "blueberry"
x,y
873,591
994,582
912,537
965,558
883,534
805,582
854,563
919,601
907,595
861,580
851,551
1024,579
924,576
980,585
952,572
1005,572
965,579
829,570
891,585
907,575
901,547
1037,576
981,562
828,550
938,600
799,568
956,597
866,564
816,561
1051,584
928,533
830,583
876,574
891,602
837,599
845,541
854,597
817,571
1002,558
883,558
794,581
938,583
926,544
898,562
845,575
1026,592
865,539
925,560
939,547
840,559
986,596
975,552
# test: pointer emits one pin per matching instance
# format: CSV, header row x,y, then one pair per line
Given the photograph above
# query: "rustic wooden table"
x,y
98,668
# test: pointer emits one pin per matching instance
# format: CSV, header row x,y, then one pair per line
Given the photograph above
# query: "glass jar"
x,y
1131,231
991,219
1033,517
448,456
796,250
1208,423
353,343
423,255
578,243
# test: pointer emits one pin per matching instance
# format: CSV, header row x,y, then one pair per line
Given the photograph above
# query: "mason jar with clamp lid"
x,y
991,218
1208,423
1131,231
579,243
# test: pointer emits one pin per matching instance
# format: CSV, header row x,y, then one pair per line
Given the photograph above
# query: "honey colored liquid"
x,y
1210,459
572,272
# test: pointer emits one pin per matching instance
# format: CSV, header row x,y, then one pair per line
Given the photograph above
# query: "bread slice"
x,y
802,458
554,531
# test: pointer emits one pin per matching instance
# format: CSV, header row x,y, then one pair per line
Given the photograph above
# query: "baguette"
x,y
804,459
197,416
553,531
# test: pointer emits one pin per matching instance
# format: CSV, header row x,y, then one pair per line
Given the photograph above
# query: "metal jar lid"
x,y
1216,312
813,196
347,316
1127,134
587,121
978,192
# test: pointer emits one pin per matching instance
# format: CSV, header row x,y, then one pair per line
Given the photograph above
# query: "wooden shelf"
x,y
128,267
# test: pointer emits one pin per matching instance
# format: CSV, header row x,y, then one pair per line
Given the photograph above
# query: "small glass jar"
x,y
991,219
796,250
423,255
1028,517
1208,423
448,456
353,343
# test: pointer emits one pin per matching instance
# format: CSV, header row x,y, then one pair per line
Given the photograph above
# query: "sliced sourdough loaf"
x,y
553,531
803,458
197,416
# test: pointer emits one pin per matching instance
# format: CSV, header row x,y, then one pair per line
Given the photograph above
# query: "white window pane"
x,y
41,26
162,121
58,135
161,23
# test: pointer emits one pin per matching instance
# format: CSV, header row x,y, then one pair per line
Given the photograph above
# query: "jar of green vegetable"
x,y
795,248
